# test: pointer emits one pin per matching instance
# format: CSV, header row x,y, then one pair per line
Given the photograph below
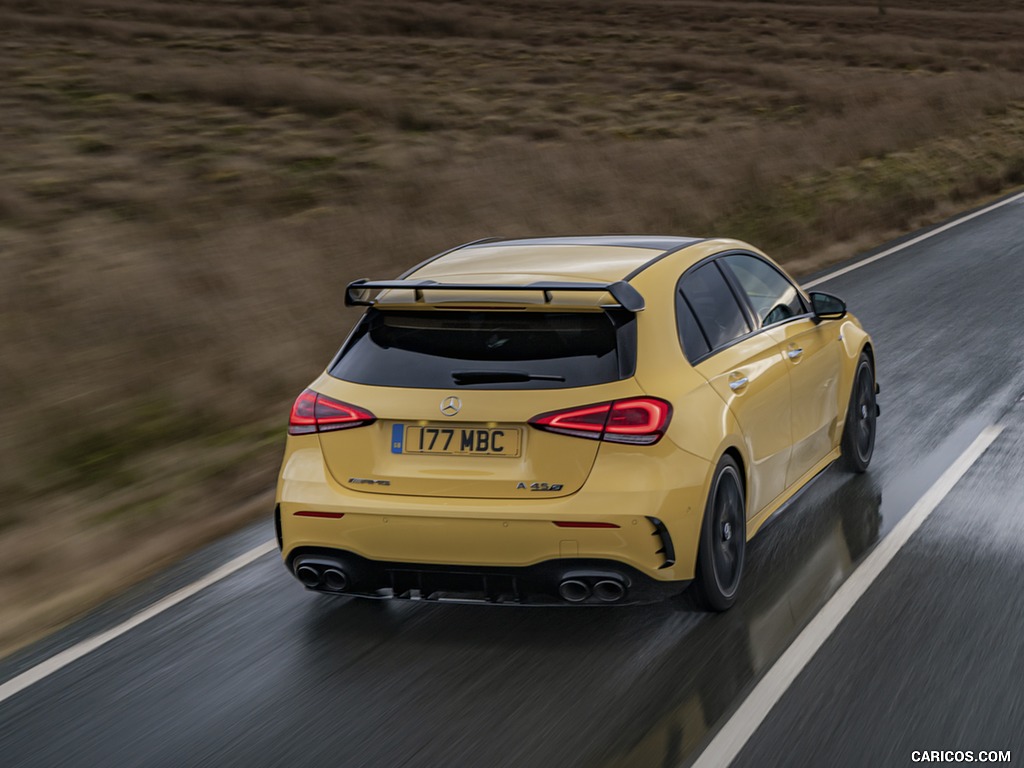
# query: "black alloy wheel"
x,y
861,419
723,539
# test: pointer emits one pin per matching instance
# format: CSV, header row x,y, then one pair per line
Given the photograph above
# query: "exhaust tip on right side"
x,y
609,591
573,591
335,579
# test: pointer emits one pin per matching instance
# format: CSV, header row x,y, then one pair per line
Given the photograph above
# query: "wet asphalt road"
x,y
255,671
932,658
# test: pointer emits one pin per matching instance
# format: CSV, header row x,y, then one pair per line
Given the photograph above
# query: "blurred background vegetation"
x,y
186,187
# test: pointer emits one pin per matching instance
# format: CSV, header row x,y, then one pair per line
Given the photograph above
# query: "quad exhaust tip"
x,y
327,575
321,574
609,591
573,591
335,579
579,588
308,575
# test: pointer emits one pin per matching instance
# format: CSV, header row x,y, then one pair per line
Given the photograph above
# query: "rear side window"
x,y
694,343
446,349
712,301
771,295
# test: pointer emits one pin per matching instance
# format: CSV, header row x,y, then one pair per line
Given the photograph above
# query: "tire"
x,y
858,443
723,539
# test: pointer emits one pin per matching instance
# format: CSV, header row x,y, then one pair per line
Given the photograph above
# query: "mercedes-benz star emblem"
x,y
451,405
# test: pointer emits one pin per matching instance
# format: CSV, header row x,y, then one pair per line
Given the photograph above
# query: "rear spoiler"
x,y
358,291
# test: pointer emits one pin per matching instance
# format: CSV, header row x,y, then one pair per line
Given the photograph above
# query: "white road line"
x,y
728,742
75,652
914,241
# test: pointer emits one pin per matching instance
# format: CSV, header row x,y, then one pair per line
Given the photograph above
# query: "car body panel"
x,y
811,353
762,408
354,457
625,486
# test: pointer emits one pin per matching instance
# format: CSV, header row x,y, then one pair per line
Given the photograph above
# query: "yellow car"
x,y
577,420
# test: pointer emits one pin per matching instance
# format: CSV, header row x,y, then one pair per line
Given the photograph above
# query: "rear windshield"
x,y
445,349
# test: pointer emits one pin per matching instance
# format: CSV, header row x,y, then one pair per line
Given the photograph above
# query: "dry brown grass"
x,y
187,186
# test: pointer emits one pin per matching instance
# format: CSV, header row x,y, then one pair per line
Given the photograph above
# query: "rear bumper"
x,y
567,581
649,511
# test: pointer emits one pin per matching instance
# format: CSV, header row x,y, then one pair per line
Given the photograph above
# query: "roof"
x,y
606,258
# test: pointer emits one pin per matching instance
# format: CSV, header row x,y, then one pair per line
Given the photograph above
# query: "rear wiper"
x,y
496,377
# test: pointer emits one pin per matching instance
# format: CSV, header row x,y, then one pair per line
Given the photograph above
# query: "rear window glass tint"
x,y
694,343
717,310
491,350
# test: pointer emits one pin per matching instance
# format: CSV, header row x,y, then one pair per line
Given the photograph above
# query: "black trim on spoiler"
x,y
626,295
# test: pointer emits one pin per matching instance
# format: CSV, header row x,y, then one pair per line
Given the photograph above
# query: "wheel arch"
x,y
709,590
844,394
869,350
734,452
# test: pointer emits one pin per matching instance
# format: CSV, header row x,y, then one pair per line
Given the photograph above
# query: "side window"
x,y
714,304
694,343
772,296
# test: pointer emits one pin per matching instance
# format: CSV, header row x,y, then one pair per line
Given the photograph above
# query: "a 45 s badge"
x,y
538,487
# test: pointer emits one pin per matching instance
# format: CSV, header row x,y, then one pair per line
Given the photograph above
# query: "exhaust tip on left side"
x,y
308,575
573,590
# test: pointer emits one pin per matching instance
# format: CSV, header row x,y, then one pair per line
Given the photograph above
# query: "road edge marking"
x,y
45,668
914,241
747,718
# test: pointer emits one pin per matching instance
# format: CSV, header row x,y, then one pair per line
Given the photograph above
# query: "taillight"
x,y
637,420
314,412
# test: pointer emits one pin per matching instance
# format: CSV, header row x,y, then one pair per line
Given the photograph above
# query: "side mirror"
x,y
827,307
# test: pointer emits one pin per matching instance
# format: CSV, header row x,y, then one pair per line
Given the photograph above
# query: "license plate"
x,y
456,441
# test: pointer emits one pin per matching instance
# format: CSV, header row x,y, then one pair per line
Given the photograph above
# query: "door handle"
x,y
737,384
794,353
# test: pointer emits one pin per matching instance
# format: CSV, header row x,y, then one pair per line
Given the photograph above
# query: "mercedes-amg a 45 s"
x,y
578,420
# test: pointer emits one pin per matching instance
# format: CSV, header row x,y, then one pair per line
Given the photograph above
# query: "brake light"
x,y
636,420
313,412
